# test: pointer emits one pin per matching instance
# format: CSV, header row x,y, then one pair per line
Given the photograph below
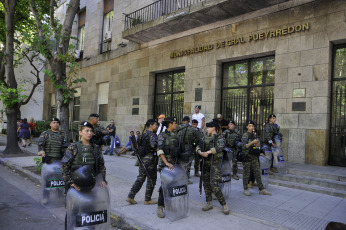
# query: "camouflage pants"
x,y
253,166
235,163
150,162
211,178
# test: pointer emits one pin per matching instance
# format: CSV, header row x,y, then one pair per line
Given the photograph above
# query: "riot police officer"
x,y
147,145
51,146
250,159
168,147
197,158
232,138
82,153
210,148
101,135
189,138
271,129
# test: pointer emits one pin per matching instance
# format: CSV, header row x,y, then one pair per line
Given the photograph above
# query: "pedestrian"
x,y
100,134
199,117
147,145
80,154
167,140
111,130
250,159
222,122
24,132
128,147
52,144
271,129
197,159
161,128
233,139
210,148
189,137
32,129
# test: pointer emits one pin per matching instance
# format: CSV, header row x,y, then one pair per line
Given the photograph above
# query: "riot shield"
x,y
225,183
228,154
52,183
175,192
279,160
268,152
264,170
89,209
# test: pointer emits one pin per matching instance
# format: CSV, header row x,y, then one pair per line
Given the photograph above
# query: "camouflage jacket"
x,y
97,137
70,155
168,143
149,141
215,144
246,139
270,131
231,137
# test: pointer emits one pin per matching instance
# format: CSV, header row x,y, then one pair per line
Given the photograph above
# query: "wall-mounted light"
x,y
122,44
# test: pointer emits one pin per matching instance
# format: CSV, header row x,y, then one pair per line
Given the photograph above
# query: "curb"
x,y
116,220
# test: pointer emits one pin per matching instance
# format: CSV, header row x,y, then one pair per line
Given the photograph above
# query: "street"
x,y
20,206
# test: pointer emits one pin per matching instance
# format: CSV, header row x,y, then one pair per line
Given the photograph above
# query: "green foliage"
x,y
38,164
136,21
40,127
4,131
11,97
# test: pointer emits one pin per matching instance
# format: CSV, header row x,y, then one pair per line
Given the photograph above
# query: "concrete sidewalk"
x,y
287,208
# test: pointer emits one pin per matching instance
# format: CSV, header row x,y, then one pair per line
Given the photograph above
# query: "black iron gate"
x,y
248,91
337,153
240,108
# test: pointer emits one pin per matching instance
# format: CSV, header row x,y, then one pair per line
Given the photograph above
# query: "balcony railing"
x,y
156,10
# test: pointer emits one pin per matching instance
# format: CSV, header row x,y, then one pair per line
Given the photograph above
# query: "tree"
x,y
13,17
53,42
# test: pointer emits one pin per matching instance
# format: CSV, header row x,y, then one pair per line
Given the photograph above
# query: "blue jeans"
x,y
111,147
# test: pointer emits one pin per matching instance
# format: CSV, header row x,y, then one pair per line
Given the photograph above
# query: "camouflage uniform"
x,y
97,138
271,130
250,162
212,166
191,138
231,138
53,144
78,155
167,144
150,162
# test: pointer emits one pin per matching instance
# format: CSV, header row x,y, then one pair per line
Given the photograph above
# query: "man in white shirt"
x,y
160,120
199,117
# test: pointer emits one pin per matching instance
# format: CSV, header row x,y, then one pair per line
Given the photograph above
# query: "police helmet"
x,y
84,177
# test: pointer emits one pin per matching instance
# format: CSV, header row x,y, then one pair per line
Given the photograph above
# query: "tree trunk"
x,y
12,146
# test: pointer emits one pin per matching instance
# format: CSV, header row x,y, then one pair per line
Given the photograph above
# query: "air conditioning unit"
x,y
77,54
108,35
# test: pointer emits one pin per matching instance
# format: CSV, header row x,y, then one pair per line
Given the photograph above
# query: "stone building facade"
x,y
214,51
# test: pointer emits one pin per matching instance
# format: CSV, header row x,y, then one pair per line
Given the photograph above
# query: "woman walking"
x,y
24,131
32,125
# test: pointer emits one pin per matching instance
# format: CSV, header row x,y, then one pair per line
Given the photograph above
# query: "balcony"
x,y
167,17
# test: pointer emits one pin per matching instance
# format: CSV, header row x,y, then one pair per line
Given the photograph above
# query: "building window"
x,y
248,91
81,34
108,14
76,105
337,153
102,100
169,94
52,106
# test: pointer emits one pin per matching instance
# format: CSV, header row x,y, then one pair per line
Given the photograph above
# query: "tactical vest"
x,y
208,143
84,156
54,144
